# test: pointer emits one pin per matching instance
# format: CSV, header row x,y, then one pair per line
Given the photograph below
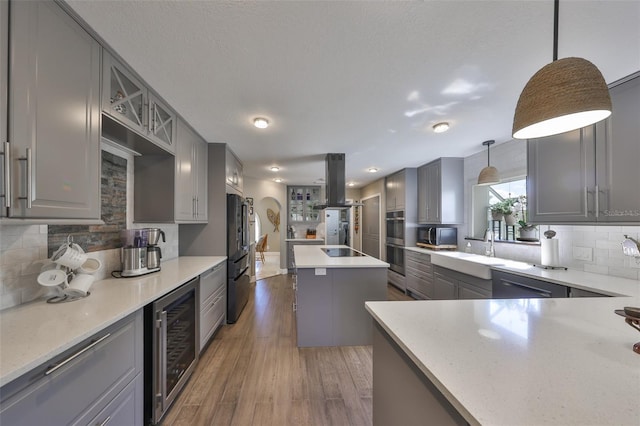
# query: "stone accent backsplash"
x,y
113,212
25,248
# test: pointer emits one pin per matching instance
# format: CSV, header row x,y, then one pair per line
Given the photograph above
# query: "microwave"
x,y
438,236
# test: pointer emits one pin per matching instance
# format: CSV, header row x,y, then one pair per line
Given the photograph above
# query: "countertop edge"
x,y
77,338
462,410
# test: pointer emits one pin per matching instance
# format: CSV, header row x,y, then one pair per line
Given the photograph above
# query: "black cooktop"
x,y
341,252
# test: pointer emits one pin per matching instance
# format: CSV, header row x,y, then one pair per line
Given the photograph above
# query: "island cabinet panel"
x,y
99,378
590,175
402,394
330,307
53,157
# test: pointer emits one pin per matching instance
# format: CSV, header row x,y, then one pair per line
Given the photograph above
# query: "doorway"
x,y
267,227
371,226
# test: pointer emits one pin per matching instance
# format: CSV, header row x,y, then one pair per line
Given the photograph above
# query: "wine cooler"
x,y
171,346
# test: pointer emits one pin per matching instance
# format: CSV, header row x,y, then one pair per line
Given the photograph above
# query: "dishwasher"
x,y
512,286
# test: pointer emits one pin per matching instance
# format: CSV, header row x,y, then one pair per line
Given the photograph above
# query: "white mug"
x,y
70,257
79,285
91,266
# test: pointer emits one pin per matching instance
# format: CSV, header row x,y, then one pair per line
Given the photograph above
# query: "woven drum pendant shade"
x,y
564,95
489,175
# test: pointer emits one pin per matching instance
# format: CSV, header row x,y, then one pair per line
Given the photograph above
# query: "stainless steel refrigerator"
x,y
238,273
336,223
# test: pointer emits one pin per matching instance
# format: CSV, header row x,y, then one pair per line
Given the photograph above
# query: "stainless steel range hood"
x,y
335,182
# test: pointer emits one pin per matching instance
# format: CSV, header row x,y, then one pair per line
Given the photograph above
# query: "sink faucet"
x,y
488,237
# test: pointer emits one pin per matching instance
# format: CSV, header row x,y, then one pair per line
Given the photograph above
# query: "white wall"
x,y
259,190
600,245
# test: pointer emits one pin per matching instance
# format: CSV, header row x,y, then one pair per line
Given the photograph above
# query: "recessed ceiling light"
x,y
372,170
274,168
351,184
278,180
441,127
260,122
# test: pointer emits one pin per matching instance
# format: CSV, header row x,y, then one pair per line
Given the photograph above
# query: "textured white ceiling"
x,y
365,78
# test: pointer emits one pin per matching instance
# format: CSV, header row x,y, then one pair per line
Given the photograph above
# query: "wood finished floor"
x,y
252,372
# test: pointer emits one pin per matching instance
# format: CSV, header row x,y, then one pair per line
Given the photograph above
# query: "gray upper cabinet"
x,y
54,115
126,99
191,176
233,168
590,175
4,68
618,160
395,191
441,192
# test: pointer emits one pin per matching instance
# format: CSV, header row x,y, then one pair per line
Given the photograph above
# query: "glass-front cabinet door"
x,y
123,95
162,123
302,200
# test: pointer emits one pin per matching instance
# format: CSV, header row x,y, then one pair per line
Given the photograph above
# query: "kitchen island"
x,y
331,293
505,362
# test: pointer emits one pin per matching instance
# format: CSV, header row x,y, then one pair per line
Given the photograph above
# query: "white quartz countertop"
x,y
605,284
312,256
305,239
32,333
516,362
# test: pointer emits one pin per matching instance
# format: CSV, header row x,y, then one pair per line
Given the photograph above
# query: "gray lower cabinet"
x,y
578,292
589,175
419,275
452,285
4,69
191,176
441,191
213,302
330,307
98,381
54,115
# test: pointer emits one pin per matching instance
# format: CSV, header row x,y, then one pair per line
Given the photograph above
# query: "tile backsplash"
x,y
24,249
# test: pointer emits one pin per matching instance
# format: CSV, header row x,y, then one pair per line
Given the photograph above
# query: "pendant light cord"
x,y
488,158
556,7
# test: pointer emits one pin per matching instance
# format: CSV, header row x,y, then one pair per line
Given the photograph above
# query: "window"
x,y
511,195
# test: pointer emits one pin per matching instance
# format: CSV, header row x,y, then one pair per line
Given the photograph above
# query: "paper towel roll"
x,y
550,252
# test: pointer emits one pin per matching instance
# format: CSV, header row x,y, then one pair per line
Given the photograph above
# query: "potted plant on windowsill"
x,y
528,231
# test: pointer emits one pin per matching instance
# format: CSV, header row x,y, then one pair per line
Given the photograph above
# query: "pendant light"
x,y
489,175
565,95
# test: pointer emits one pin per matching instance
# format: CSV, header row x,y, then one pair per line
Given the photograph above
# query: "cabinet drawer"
x,y
212,314
418,257
125,409
79,383
212,280
419,288
422,267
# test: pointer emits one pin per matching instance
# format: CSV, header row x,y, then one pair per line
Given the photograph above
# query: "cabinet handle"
x,y
215,301
295,307
104,422
597,201
193,207
197,206
7,174
162,360
586,202
76,355
29,160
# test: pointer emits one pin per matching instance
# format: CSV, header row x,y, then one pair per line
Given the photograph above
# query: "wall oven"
x,y
395,228
171,339
395,258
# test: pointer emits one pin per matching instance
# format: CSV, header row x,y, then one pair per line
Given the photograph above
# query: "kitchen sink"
x,y
467,263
